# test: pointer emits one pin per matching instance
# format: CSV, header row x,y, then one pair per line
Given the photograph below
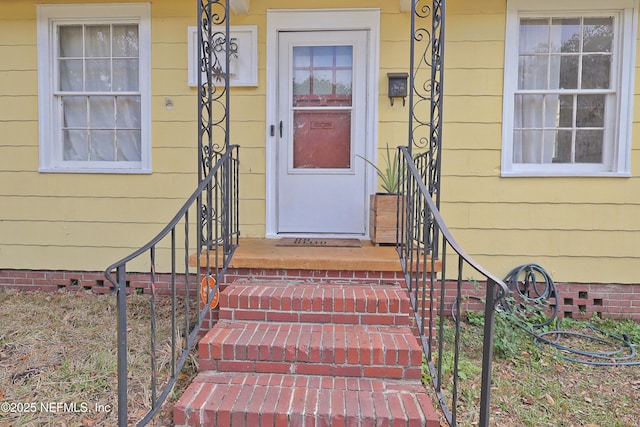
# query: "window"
x,y
568,88
94,91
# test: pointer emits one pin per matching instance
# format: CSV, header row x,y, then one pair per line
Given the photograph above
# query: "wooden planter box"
x,y
383,210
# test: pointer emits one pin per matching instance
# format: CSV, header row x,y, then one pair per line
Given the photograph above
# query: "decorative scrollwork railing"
x,y
427,83
214,50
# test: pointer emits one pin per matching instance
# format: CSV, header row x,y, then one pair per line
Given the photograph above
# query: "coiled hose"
x,y
528,305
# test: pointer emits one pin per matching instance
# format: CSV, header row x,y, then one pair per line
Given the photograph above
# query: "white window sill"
x,y
96,171
568,174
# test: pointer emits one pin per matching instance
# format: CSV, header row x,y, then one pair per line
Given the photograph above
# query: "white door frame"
x,y
318,20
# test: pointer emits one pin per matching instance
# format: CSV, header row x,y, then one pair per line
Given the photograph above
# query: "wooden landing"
x,y
263,253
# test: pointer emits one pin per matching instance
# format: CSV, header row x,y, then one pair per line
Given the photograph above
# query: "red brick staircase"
x,y
309,355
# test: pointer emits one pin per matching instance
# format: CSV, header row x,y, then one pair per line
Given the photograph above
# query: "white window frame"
x,y
617,154
50,138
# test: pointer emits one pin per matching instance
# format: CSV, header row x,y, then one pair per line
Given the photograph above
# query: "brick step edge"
x,y
364,298
385,305
346,350
229,399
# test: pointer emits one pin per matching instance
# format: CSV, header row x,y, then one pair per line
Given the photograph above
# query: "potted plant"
x,y
383,206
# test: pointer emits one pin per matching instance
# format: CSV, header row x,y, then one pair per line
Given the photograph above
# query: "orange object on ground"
x,y
206,285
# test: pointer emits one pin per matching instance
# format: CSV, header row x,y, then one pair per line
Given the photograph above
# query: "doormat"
x,y
308,242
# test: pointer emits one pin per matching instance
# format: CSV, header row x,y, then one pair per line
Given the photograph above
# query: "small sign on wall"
x,y
243,64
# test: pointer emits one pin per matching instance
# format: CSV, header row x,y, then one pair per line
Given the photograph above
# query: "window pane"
x,y
518,110
98,75
129,147
301,82
534,146
530,146
563,147
128,112
70,41
598,34
344,56
564,72
596,72
322,82
74,112
532,72
101,112
301,56
343,82
590,111
528,111
75,145
125,75
565,35
125,41
551,110
71,75
323,56
566,111
98,41
102,146
534,35
589,146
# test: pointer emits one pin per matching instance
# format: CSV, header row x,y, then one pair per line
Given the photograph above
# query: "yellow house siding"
x,y
395,31
12,83
84,221
18,158
579,229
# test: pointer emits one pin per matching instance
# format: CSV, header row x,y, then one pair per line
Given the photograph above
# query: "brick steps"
x,y
301,400
371,305
309,355
303,348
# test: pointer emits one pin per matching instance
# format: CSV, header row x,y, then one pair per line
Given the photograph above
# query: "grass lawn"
x,y
58,349
58,359
542,385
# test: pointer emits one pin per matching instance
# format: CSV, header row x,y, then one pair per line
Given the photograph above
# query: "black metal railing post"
x,y
487,354
121,296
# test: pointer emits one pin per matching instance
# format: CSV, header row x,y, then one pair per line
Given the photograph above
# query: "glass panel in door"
x,y
322,107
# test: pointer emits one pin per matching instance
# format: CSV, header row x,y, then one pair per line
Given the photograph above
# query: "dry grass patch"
x,y
58,358
538,385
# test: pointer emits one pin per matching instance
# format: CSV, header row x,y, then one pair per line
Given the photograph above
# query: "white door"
x,y
321,132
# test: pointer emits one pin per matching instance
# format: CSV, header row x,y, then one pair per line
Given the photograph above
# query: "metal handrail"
x,y
423,243
220,186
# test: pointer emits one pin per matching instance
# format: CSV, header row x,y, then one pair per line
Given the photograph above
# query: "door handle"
x,y
280,128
